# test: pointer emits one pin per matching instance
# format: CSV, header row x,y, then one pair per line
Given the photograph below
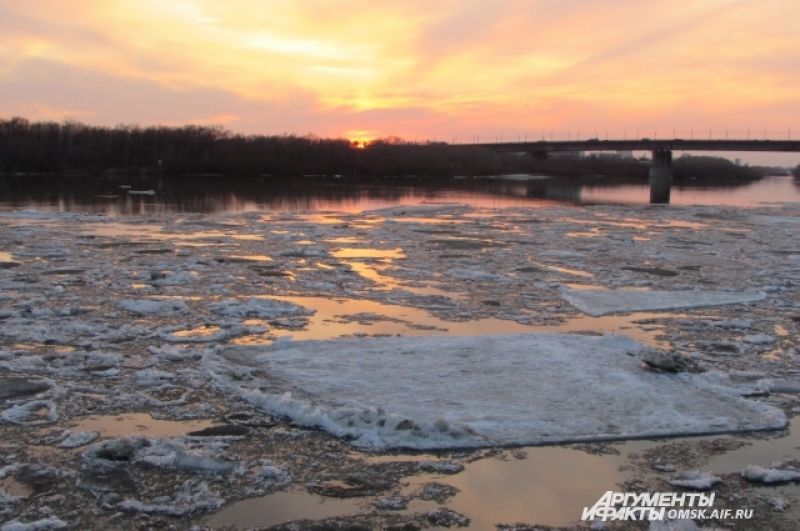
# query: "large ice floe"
x,y
604,301
445,392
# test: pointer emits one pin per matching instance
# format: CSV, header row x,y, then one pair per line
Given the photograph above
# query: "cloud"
x,y
414,68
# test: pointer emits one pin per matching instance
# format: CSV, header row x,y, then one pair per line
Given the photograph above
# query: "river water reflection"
x,y
223,194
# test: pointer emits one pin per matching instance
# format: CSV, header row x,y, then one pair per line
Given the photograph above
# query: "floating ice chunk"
x,y
762,474
741,324
473,274
270,474
180,278
518,177
162,453
172,353
191,497
259,308
443,517
673,525
433,209
151,377
774,220
778,503
154,307
600,301
563,253
11,387
441,392
782,386
694,479
97,361
442,467
33,362
30,413
173,334
392,503
43,524
759,339
74,440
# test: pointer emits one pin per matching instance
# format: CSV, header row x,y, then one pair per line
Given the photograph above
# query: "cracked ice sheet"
x,y
598,302
448,392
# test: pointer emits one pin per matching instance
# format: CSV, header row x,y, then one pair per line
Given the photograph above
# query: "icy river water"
x,y
484,355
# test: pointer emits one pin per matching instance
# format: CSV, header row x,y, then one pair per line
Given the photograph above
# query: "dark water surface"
x,y
223,194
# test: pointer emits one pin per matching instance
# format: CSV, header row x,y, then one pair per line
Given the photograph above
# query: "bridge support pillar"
x,y
660,176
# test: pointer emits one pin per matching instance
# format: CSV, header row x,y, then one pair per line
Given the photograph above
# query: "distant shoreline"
x,y
75,150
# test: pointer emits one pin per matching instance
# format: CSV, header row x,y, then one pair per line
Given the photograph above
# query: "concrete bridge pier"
x,y
660,176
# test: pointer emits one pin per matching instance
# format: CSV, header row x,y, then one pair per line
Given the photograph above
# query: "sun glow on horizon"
x,y
414,70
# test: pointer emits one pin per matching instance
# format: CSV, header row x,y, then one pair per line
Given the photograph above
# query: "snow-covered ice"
x,y
601,301
439,392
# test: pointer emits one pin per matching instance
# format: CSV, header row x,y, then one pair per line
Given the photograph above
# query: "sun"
x,y
360,138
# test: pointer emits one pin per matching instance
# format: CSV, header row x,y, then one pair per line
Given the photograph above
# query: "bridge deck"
x,y
645,144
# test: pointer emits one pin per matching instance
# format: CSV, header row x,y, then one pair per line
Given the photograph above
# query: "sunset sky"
x,y
451,70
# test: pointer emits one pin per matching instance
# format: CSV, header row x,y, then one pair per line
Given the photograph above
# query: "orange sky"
x,y
451,70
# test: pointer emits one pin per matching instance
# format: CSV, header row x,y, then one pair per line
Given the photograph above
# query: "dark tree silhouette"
x,y
72,148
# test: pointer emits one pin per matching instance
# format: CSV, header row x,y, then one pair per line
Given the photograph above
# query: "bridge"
x,y
661,162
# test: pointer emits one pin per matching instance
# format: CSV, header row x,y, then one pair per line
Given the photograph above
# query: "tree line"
x,y
72,147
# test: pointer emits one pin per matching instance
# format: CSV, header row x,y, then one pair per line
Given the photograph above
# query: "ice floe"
x,y
601,301
439,392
